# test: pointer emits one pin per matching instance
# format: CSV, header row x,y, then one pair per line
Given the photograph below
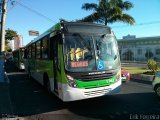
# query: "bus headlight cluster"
x,y
71,81
118,77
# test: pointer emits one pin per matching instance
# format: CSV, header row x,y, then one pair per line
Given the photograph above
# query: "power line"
x,y
138,24
13,3
34,11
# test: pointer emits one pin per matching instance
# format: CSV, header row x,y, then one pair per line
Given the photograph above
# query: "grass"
x,y
138,68
135,70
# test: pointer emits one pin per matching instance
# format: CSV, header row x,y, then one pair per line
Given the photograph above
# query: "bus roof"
x,y
86,27
65,26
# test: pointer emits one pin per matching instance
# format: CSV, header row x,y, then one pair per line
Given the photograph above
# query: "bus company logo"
x,y
94,73
111,80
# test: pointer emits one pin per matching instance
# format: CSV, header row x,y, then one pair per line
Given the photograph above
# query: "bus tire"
x,y
46,82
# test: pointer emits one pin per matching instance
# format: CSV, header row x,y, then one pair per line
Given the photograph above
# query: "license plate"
x,y
123,77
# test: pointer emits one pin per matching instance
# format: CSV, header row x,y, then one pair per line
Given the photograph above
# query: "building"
x,y
139,49
16,43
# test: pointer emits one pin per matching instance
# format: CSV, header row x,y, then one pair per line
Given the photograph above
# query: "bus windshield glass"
x,y
83,52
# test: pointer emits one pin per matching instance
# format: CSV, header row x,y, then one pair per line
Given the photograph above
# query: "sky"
x,y
40,15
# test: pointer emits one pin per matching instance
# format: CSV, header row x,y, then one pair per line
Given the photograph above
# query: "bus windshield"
x,y
83,52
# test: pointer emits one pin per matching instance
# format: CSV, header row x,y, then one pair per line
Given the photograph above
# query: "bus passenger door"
x,y
54,56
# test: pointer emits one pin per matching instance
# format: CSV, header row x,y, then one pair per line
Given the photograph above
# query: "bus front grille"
x,y
95,77
99,92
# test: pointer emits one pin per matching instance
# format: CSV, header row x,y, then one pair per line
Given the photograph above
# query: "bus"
x,y
75,60
18,58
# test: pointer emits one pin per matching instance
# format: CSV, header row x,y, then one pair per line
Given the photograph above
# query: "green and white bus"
x,y
75,61
18,58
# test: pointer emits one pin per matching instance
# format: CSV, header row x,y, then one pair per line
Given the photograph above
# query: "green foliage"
x,y
152,65
10,34
8,49
108,12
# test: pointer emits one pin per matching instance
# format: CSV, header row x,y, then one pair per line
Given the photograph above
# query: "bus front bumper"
x,y
72,94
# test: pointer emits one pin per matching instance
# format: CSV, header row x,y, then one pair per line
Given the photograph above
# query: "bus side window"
x,y
45,48
38,49
33,50
53,47
29,52
25,53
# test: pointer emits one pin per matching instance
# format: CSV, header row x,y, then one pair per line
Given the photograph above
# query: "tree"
x,y
10,34
152,65
108,11
8,48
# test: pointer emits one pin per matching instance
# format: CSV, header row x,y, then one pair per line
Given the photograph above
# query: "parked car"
x,y
156,83
125,75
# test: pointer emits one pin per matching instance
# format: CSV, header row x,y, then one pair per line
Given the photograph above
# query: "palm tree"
x,y
108,11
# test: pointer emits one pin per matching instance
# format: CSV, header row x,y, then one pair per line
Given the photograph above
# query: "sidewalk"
x,y
5,102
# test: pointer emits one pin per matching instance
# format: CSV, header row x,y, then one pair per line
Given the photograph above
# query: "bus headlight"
x,y
71,81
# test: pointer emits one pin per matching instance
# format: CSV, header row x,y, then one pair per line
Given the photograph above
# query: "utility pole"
x,y
3,22
2,40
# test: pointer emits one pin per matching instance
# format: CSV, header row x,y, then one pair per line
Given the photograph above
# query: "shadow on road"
x,y
28,98
122,107
119,106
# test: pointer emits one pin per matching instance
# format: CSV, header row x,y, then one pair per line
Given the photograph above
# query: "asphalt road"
x,y
32,102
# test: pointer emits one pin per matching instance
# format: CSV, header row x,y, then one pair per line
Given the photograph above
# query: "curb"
x,y
142,78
